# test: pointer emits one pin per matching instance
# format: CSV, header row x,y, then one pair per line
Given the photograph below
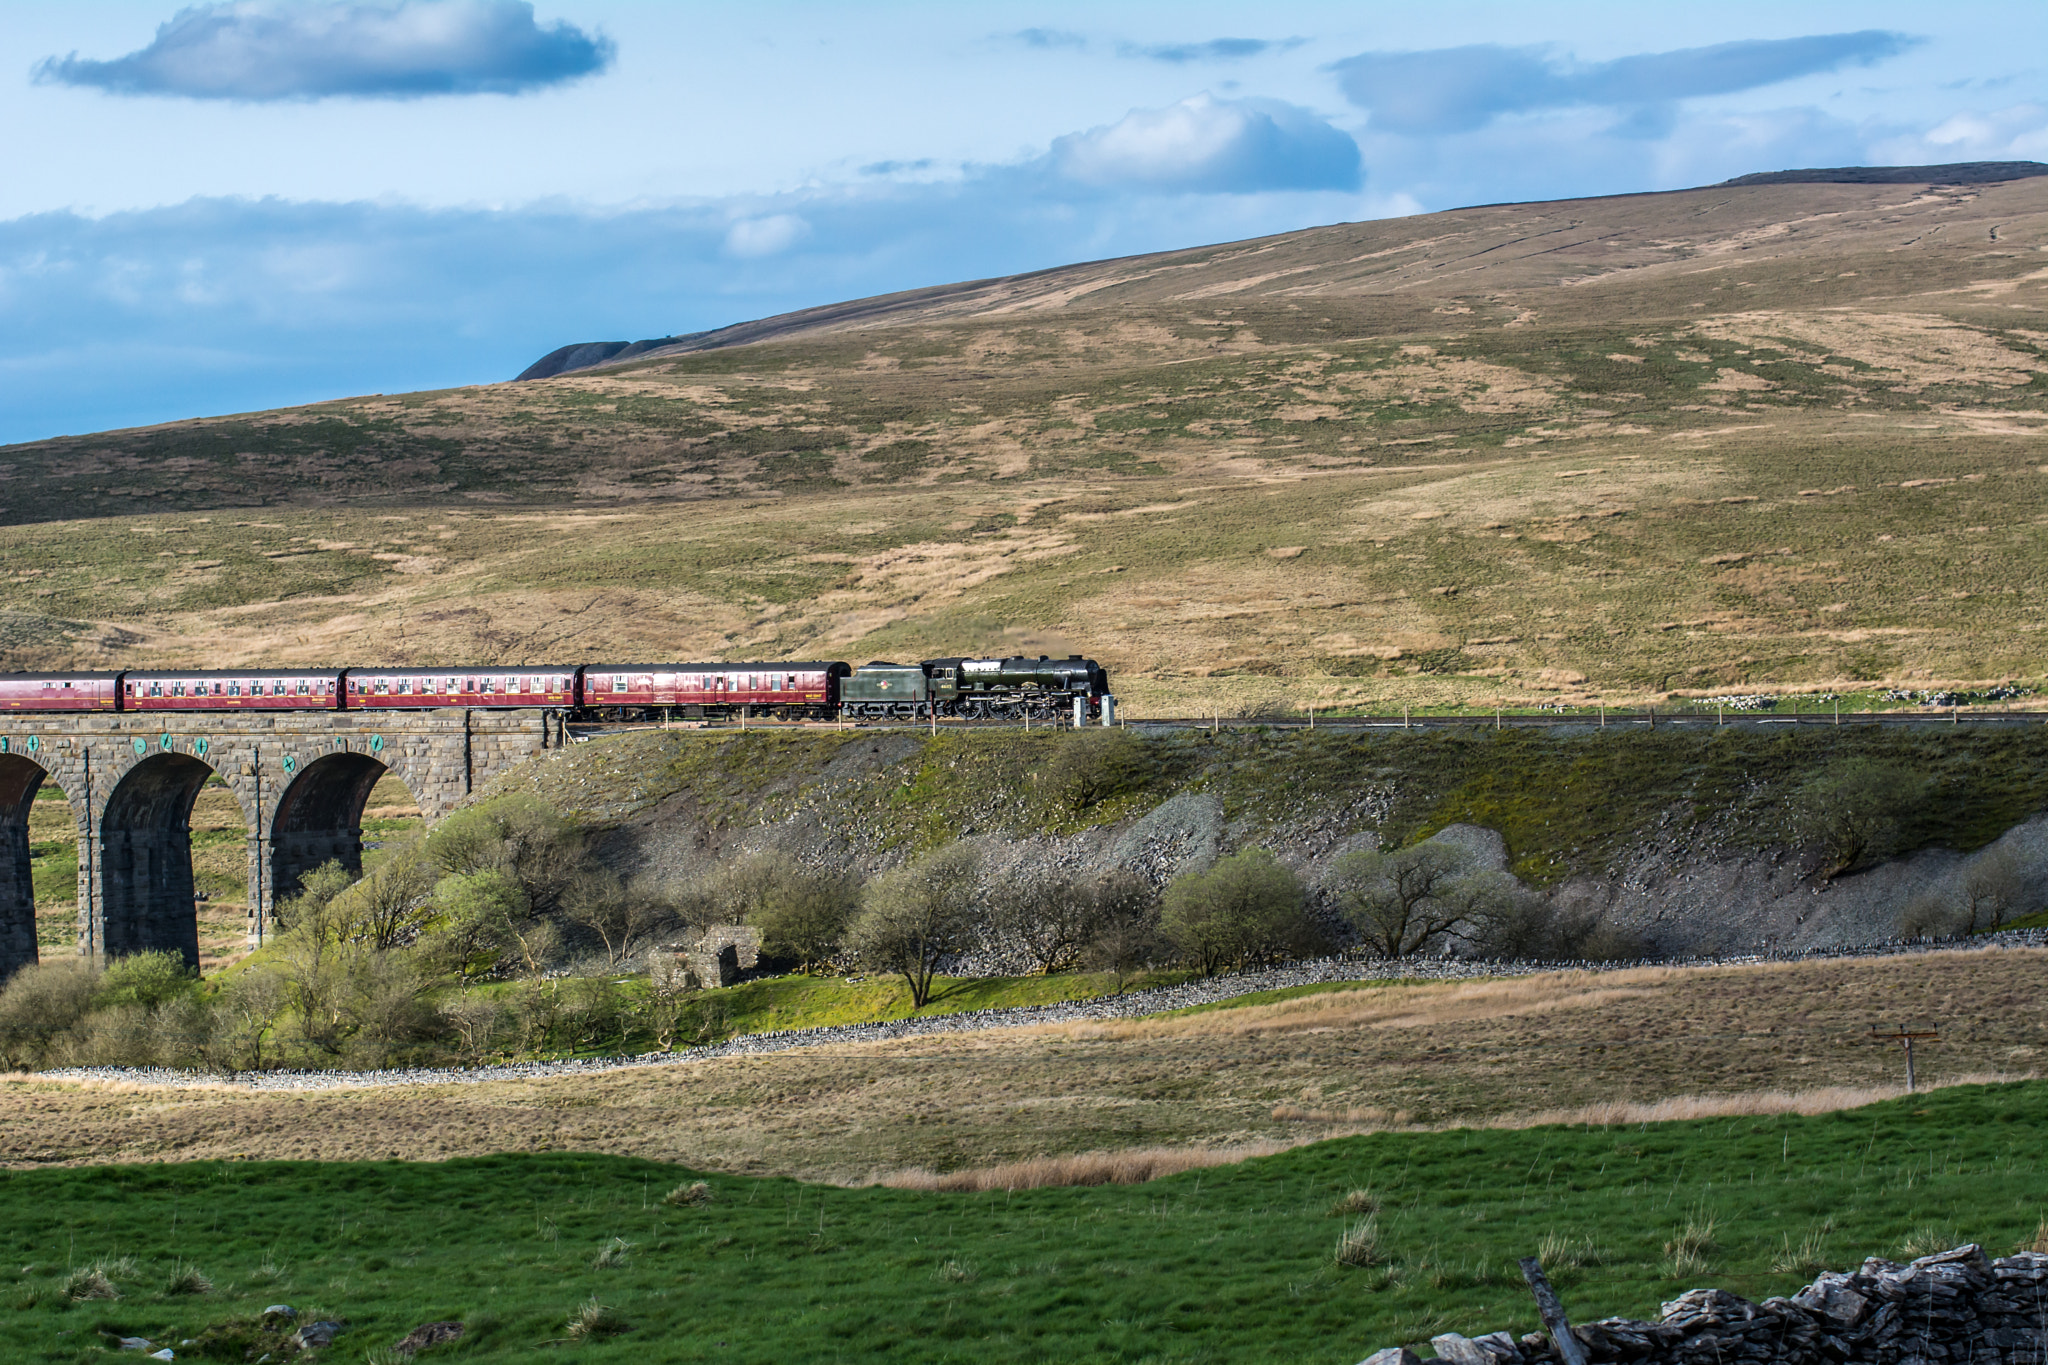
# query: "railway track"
x,y
1562,723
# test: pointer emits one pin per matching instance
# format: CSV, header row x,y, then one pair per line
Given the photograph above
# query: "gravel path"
x,y
1127,1006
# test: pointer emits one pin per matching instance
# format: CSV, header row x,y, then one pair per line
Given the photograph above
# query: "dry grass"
x,y
1132,1167
1791,1038
1824,1100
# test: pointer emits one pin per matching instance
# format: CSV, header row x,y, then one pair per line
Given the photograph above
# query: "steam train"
x,y
970,689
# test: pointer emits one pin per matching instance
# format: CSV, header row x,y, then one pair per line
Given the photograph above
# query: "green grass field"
x,y
1234,1263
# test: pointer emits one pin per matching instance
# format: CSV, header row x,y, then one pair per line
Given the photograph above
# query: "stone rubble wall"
x,y
1954,1308
721,955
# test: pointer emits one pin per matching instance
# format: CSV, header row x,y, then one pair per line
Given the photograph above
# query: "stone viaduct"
x,y
301,781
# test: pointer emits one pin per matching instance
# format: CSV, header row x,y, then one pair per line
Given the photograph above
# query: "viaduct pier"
x,y
300,779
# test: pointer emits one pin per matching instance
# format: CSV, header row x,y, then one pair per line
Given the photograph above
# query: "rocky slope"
x,y
1697,843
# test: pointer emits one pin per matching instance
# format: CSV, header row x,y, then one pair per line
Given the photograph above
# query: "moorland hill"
x,y
1752,436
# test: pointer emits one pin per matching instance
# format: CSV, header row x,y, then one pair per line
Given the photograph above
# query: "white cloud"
x,y
2016,133
769,236
1209,145
248,50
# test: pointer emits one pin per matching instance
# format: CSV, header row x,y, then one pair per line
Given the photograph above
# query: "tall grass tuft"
x,y
1558,1252
188,1280
1929,1238
693,1195
1355,1204
2039,1241
89,1282
1686,1254
1360,1245
595,1321
1808,1258
958,1272
616,1253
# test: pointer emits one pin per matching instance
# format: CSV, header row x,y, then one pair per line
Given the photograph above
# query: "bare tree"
x,y
1405,900
1050,914
476,1020
245,1011
1126,928
1991,893
387,908
1994,890
621,915
914,916
805,915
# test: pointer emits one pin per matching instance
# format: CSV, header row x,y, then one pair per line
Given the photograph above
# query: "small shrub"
x,y
1360,1244
1355,1204
189,1280
614,1254
89,1283
595,1321
957,1272
696,1194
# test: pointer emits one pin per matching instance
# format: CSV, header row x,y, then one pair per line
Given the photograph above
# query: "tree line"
x,y
503,932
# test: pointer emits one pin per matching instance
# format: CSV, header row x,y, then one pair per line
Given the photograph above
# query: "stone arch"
x,y
319,817
20,779
145,847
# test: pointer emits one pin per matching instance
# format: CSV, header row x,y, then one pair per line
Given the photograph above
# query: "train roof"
x,y
467,668
234,672
716,667
59,675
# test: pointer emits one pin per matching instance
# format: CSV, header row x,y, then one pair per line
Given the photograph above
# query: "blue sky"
x,y
232,206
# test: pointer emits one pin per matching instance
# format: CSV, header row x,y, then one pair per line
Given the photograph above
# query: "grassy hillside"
x,y
1237,1264
1562,1047
1777,436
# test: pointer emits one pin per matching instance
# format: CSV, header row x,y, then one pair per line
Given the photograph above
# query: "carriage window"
x,y
217,689
383,687
404,688
619,683
302,687
484,686
177,689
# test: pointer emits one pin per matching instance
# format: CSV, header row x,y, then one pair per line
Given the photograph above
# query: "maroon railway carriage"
x,y
379,689
232,689
60,692
785,690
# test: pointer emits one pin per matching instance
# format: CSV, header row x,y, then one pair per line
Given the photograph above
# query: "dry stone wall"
x,y
1954,1308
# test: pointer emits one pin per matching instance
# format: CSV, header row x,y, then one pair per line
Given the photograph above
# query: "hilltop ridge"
x,y
1487,246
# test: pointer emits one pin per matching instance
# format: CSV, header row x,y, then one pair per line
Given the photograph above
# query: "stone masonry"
x,y
301,781
1953,1308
